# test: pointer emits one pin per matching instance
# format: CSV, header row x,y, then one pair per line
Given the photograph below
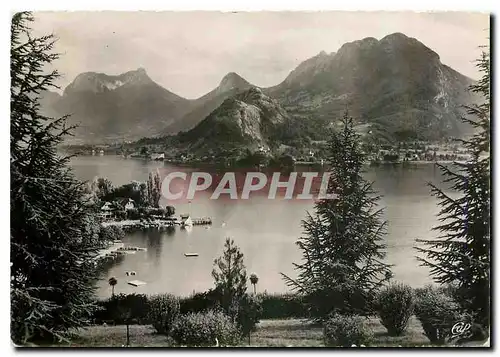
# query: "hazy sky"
x,y
189,53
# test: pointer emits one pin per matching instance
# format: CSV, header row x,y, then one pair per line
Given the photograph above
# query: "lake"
x,y
265,230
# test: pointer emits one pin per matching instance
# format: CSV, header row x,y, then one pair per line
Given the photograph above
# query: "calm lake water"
x,y
265,230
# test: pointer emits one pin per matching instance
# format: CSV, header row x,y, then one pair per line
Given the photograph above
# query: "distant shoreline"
x,y
419,162
299,163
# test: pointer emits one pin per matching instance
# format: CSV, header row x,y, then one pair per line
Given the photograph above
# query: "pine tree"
x,y
157,190
460,255
342,247
52,236
230,278
154,190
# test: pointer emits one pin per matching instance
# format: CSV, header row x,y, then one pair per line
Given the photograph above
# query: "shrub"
x,y
345,330
202,329
249,312
275,306
133,214
437,312
169,211
122,308
200,302
121,215
163,310
395,305
155,211
111,233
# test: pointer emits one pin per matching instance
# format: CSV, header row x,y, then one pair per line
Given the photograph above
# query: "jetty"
x,y
133,249
110,251
202,221
116,249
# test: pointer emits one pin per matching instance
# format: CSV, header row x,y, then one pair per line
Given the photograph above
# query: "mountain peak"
x,y
138,76
101,82
231,81
396,36
365,43
399,41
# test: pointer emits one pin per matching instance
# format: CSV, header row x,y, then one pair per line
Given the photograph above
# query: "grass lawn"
x,y
270,333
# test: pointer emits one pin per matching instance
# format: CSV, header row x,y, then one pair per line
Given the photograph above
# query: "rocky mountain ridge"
x,y
395,84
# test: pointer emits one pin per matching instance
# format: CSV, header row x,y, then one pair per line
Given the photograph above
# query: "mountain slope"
x,y
229,86
397,84
127,106
247,120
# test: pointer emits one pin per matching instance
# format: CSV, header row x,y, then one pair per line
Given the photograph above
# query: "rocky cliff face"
x,y
396,84
248,119
229,86
127,106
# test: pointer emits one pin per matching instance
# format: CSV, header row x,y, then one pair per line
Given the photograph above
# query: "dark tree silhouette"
x,y
112,282
230,277
52,237
460,255
254,279
343,248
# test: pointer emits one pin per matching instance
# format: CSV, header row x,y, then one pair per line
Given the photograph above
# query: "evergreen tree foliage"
x,y
102,187
154,190
342,249
460,255
230,277
53,235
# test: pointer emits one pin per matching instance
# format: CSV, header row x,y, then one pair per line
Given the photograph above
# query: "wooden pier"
x,y
202,221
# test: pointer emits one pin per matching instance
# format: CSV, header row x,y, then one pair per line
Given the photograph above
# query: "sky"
x,y
189,52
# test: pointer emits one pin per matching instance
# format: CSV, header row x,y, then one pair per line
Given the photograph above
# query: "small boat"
x,y
191,254
136,283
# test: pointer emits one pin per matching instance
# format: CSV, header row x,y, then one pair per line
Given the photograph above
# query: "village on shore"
x,y
315,153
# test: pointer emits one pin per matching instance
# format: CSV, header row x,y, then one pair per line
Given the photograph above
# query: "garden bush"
x,y
163,310
395,305
111,233
276,306
122,308
205,329
345,330
437,312
249,313
133,214
200,302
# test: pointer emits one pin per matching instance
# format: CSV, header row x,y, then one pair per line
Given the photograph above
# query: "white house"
x,y
107,206
158,156
107,210
127,203
186,220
